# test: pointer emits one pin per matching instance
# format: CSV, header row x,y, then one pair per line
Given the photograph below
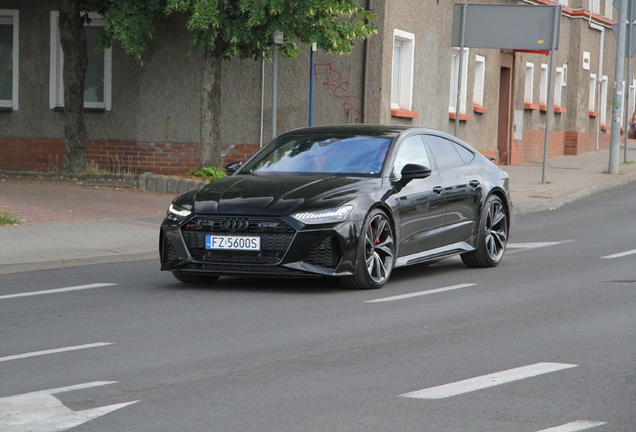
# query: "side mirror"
x,y
233,167
415,171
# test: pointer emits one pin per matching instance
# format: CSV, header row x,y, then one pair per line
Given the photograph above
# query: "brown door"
x,y
504,125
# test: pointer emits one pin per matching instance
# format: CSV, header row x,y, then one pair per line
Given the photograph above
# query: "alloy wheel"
x,y
496,230
379,248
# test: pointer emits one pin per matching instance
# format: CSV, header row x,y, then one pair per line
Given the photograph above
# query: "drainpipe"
x,y
599,81
365,82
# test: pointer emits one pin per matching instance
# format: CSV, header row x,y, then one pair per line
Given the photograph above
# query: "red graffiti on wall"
x,y
326,75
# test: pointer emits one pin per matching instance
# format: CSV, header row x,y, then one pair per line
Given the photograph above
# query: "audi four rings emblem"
x,y
232,224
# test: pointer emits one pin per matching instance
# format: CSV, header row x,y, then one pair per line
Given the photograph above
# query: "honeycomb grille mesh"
x,y
169,252
323,255
276,237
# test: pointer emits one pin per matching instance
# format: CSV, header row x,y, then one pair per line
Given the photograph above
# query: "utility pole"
x,y
615,140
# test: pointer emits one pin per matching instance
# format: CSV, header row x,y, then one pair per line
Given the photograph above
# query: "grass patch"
x,y
5,219
207,173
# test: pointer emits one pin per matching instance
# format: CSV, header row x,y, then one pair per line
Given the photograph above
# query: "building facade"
x,y
149,117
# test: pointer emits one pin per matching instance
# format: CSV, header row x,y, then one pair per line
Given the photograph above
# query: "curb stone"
x,y
165,184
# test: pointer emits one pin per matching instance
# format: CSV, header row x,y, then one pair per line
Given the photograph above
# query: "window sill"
x,y
555,109
605,127
478,109
6,109
529,106
462,117
86,109
594,114
396,112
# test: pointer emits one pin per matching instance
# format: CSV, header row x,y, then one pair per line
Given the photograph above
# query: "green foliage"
x,y
243,28
5,219
207,173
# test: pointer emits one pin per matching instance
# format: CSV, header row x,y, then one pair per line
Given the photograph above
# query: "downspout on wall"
x,y
365,81
599,81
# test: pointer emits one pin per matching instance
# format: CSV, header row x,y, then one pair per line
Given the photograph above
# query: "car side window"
x,y
412,150
466,155
444,152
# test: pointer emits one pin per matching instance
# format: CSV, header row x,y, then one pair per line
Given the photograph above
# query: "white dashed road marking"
x,y
421,293
574,426
485,381
58,290
54,351
620,255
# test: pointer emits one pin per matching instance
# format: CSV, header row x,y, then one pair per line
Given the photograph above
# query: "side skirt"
x,y
434,254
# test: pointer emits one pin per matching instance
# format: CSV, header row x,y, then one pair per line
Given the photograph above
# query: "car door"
x,y
420,204
462,187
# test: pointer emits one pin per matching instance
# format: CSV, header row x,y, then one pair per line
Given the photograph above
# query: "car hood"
x,y
279,194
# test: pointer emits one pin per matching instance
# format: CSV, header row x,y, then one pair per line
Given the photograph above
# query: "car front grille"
x,y
276,237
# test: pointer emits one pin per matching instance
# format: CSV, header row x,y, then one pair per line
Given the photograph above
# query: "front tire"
x,y
193,278
493,235
376,251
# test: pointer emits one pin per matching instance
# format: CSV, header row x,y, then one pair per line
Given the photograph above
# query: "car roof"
x,y
388,131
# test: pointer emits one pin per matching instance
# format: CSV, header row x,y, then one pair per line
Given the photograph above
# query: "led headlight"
x,y
176,212
324,216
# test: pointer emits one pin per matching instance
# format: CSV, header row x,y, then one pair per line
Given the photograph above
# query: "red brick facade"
x,y
25,154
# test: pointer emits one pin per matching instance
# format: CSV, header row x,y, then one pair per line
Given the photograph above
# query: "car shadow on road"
x,y
305,286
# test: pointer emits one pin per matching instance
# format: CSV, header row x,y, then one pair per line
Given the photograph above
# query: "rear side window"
x,y
446,153
466,155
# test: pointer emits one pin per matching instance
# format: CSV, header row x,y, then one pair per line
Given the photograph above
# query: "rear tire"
x,y
376,251
493,235
194,278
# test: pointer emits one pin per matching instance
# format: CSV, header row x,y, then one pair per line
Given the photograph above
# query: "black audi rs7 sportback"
x,y
351,202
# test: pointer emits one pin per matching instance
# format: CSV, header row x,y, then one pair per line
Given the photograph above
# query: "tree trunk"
x,y
73,40
210,148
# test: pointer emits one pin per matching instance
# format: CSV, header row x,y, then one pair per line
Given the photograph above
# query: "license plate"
x,y
232,242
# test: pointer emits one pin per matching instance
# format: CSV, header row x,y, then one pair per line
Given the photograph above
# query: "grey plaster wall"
x,y
158,101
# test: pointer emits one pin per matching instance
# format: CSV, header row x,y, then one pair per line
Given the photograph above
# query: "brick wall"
x,y
530,149
24,154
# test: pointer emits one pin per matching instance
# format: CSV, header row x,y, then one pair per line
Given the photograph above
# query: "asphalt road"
x,y
545,341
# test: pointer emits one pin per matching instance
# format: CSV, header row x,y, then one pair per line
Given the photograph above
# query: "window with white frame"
x,y
595,6
608,8
97,87
528,94
402,72
543,84
558,86
452,102
592,100
480,75
602,103
9,53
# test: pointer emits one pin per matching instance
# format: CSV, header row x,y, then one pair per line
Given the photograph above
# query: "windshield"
x,y
322,154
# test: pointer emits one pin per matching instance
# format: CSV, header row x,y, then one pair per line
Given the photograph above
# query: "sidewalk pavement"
x,y
66,223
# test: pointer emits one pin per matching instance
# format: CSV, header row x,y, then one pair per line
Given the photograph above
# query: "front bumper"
x,y
288,247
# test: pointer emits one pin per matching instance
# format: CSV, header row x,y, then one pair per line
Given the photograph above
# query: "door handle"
x,y
473,183
438,190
